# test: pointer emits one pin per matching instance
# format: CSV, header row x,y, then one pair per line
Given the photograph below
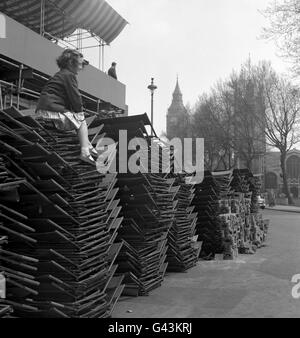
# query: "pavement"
x,y
251,286
285,208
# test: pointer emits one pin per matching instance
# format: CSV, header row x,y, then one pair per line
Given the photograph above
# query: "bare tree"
x,y
281,119
249,140
203,126
284,17
210,122
254,109
227,119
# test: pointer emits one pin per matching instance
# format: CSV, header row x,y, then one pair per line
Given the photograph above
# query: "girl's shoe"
x,y
87,159
93,151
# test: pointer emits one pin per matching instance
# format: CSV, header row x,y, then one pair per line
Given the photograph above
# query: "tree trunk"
x,y
284,178
225,165
249,164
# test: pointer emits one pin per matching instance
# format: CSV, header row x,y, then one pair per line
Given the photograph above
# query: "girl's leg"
x,y
84,138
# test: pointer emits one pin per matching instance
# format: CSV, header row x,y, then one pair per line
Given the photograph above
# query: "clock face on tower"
x,y
173,119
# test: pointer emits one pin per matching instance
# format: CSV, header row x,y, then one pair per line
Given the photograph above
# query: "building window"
x,y
271,181
293,167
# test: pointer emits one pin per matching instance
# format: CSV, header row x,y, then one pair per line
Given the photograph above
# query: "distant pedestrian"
x,y
271,198
112,71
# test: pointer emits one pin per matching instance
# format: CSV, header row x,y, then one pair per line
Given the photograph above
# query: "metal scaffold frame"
x,y
76,39
63,26
18,90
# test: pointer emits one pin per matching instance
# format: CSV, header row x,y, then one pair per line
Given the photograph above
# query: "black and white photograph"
x,y
149,162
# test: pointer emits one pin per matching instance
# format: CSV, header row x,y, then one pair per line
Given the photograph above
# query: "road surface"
x,y
252,286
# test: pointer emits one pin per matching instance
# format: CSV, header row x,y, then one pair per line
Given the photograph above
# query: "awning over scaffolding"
x,y
63,17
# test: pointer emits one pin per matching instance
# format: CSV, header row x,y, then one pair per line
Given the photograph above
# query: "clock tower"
x,y
177,116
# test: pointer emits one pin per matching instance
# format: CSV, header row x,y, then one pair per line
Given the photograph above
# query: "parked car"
x,y
261,202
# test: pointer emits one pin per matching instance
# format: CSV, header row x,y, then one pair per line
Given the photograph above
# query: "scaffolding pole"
x,y
102,47
19,85
42,20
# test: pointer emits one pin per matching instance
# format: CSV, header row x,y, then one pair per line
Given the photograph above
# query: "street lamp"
x,y
152,89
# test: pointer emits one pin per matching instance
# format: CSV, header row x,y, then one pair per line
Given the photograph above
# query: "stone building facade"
x,y
273,174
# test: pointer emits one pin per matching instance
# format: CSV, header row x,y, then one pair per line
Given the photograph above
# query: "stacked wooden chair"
x,y
209,227
18,267
183,248
5,309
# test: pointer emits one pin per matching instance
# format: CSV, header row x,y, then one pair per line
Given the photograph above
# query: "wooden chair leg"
x,y
1,100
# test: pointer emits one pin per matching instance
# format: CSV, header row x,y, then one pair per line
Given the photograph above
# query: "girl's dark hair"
x,y
69,58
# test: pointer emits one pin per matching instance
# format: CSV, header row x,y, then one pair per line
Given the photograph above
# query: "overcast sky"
x,y
200,40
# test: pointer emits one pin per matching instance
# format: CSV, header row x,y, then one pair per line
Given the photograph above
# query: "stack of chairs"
x,y
150,205
240,182
223,180
150,201
209,227
5,309
230,222
16,260
256,229
250,185
183,249
240,205
147,219
148,208
68,221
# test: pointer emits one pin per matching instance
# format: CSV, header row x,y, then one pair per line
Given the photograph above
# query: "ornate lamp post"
x,y
152,89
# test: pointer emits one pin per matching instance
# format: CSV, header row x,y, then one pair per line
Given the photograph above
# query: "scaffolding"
x,y
78,24
62,26
75,40
11,93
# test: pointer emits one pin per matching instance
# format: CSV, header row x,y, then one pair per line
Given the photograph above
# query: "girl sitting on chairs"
x,y
61,102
